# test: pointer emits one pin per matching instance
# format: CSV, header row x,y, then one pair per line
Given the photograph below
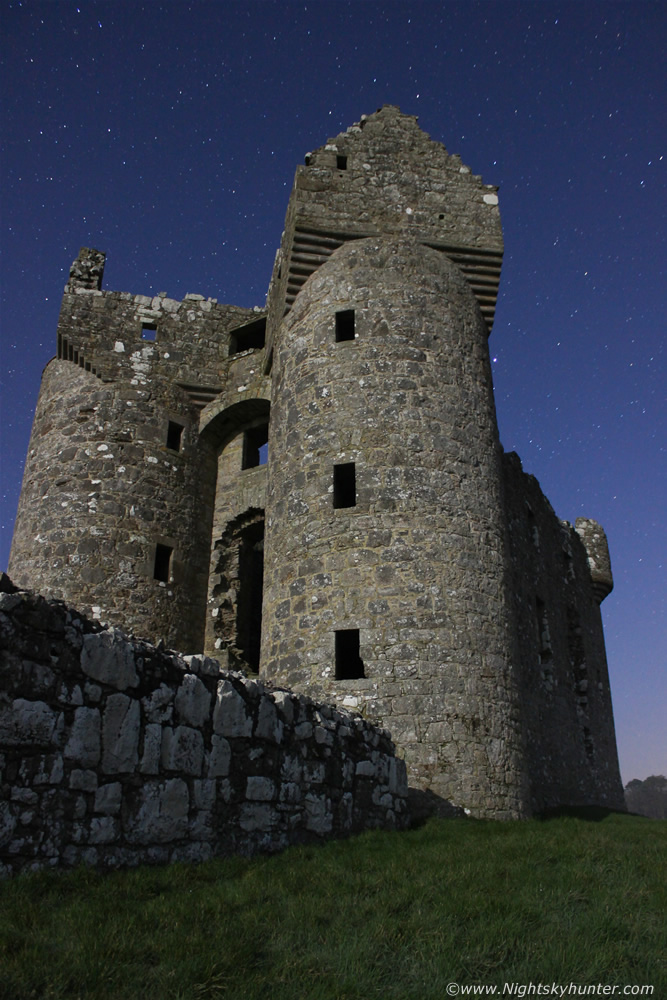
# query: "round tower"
x,y
385,548
116,504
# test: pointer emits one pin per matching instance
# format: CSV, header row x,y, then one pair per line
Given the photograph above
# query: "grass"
x,y
392,915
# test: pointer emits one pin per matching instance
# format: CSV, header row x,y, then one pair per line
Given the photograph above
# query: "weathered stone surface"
x,y
83,746
107,658
27,722
161,813
121,779
108,798
230,716
120,734
193,701
405,566
182,750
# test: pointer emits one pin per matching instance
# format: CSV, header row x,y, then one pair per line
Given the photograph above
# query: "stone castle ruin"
x,y
315,491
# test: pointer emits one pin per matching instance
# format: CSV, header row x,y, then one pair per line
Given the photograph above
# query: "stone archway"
x,y
238,433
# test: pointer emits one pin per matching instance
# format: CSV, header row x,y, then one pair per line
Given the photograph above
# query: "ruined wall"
x,y
135,337
414,561
566,714
113,752
116,513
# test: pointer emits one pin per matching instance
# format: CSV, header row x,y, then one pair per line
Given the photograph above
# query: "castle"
x,y
316,490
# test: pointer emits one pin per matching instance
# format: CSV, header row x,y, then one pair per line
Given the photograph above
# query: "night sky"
x,y
167,135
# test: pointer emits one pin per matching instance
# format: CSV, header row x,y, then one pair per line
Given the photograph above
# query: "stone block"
x,y
120,735
182,750
269,726
285,702
319,817
150,759
159,813
108,798
193,701
158,705
260,789
203,794
220,757
27,722
108,657
83,746
103,830
230,716
255,817
7,823
83,781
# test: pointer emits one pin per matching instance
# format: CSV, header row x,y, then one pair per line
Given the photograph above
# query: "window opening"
x,y
162,568
344,325
345,485
249,609
341,162
252,335
349,665
148,331
255,446
174,435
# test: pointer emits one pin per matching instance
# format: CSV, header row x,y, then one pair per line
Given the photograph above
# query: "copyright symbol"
x,y
453,989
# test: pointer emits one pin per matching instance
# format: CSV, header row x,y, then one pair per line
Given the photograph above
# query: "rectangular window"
x,y
148,331
349,665
174,435
344,325
162,569
255,447
341,162
344,485
252,336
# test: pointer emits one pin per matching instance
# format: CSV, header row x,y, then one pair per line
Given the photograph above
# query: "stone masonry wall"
x,y
107,330
114,752
566,713
412,565
102,489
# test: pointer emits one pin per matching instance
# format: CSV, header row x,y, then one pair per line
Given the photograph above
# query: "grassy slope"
x,y
387,915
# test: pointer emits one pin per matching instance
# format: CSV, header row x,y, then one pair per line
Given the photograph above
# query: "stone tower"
x,y
388,555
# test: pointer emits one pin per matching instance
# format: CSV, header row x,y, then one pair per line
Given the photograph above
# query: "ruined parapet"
x,y
599,562
119,335
87,270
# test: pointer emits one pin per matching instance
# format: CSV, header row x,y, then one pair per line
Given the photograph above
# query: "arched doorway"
x,y
234,606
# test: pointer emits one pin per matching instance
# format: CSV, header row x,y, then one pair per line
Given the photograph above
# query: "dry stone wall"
x,y
114,752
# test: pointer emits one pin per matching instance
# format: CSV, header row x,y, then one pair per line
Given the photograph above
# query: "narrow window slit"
x,y
255,447
349,665
174,435
345,485
344,325
341,162
162,568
